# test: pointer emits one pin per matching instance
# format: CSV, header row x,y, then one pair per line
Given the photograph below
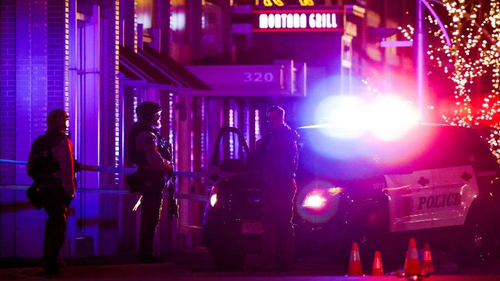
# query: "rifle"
x,y
166,150
173,206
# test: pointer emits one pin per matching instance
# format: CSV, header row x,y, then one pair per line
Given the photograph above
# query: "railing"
x,y
120,170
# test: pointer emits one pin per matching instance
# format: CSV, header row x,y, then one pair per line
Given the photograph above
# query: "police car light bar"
x,y
387,118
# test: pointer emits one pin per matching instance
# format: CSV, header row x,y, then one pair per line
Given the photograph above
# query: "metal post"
x,y
420,59
419,51
184,120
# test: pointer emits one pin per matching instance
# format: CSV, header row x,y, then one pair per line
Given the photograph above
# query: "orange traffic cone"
x,y
427,266
412,264
378,270
355,268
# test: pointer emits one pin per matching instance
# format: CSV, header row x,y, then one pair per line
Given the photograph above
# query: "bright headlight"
x,y
318,201
213,199
213,195
314,201
334,191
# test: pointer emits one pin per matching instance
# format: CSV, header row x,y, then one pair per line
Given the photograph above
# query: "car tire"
x,y
481,241
228,259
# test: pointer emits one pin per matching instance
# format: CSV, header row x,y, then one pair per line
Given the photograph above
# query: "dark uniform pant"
x,y
278,237
55,226
150,216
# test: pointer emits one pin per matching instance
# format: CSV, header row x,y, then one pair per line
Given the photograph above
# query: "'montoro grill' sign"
x,y
299,20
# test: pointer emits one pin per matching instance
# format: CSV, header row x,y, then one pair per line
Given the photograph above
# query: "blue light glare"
x,y
343,114
387,117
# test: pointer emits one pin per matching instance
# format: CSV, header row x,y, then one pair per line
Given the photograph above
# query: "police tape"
x,y
195,197
120,170
115,170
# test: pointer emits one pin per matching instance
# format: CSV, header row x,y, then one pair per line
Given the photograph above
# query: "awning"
x,y
149,67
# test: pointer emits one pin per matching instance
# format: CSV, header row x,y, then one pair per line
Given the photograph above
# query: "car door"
x,y
454,190
230,154
406,192
455,182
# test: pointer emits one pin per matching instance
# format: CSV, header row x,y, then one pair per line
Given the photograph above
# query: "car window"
x,y
454,146
314,165
231,150
447,148
323,157
484,159
231,147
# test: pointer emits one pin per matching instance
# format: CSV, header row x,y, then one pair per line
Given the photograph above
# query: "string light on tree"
x,y
473,55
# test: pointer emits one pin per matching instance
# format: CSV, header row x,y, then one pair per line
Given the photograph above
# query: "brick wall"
x,y
7,88
31,79
32,76
38,69
56,58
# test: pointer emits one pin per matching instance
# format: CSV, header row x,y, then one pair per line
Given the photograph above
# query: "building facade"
x,y
208,63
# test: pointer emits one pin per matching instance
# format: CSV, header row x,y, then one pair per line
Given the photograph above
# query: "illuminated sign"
x,y
298,20
279,3
269,3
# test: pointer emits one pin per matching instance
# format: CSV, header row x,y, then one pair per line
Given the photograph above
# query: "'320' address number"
x,y
258,77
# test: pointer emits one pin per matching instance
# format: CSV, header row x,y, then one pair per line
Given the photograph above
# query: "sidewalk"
x,y
113,267
194,262
197,255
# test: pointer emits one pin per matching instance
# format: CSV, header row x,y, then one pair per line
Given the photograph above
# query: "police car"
x,y
435,183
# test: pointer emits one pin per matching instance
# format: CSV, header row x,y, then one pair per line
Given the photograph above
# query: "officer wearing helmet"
x,y
153,155
52,165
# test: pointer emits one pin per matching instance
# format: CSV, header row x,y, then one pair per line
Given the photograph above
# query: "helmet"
x,y
57,120
147,110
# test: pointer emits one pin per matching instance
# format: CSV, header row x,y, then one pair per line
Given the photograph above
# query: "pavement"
x,y
196,264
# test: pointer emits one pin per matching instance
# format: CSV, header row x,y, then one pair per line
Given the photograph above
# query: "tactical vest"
x,y
139,157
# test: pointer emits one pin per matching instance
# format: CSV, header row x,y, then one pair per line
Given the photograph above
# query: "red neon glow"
x,y
296,11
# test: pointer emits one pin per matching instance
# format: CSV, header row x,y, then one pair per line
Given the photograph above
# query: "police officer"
x,y
51,165
153,156
279,154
